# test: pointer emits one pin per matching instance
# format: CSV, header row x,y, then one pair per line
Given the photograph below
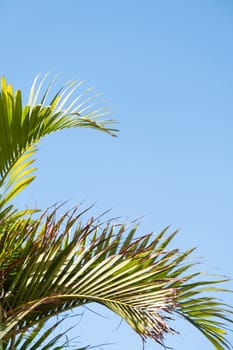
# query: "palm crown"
x,y
49,265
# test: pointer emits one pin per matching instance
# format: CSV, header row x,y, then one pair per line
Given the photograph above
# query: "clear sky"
x,y
166,70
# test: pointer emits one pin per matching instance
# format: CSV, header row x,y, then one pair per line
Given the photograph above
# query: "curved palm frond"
x,y
50,270
22,127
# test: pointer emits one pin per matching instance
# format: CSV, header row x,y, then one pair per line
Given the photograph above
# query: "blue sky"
x,y
165,68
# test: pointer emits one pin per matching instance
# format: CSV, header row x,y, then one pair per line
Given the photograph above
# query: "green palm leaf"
x,y
22,127
53,270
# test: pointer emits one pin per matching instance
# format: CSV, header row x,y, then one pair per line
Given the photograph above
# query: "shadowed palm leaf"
x,y
49,266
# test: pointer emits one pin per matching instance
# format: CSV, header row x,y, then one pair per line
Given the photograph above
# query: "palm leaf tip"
x,y
70,108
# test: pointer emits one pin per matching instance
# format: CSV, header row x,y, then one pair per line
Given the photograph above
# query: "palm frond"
x,y
60,264
22,127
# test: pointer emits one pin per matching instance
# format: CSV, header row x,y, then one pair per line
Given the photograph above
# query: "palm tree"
x,y
50,265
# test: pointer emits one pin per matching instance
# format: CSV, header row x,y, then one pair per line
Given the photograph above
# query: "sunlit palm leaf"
x,y
52,270
22,127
